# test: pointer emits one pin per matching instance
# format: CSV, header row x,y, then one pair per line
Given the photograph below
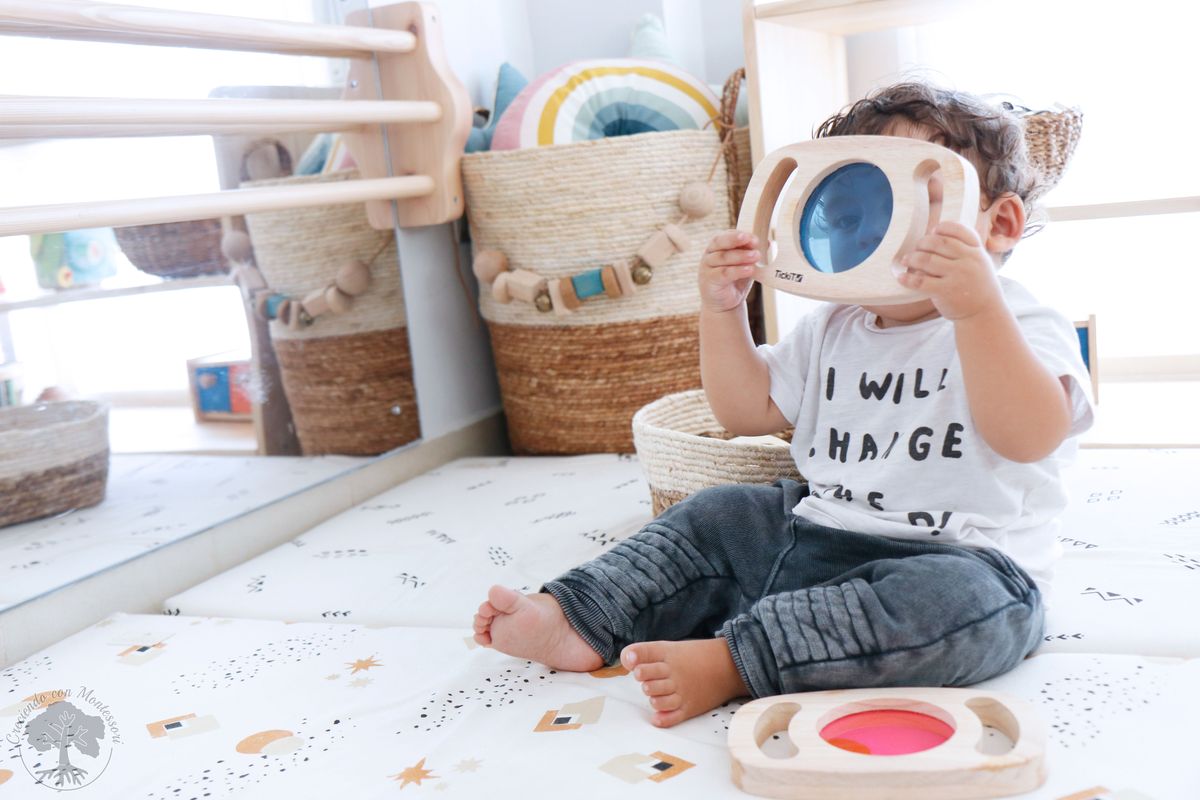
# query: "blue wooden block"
x,y
588,284
213,389
273,304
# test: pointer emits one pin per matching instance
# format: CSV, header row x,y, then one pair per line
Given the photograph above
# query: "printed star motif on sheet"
x,y
332,677
467,765
363,664
361,682
414,774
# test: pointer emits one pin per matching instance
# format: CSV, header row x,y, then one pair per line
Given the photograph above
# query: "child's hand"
x,y
951,266
726,270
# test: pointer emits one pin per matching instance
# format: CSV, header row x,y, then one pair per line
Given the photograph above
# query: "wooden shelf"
x,y
54,297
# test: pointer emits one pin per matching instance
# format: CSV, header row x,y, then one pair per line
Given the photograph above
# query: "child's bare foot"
x,y
532,626
684,679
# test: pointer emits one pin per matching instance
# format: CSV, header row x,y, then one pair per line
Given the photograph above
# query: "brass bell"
x,y
642,274
543,302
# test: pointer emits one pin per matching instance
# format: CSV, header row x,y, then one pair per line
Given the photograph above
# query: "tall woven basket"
x,y
683,449
347,377
571,384
53,458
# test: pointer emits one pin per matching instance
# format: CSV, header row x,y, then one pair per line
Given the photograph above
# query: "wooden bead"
x,y
295,318
353,278
555,289
249,278
260,305
624,277
338,301
235,246
314,303
678,237
524,285
500,291
657,249
570,298
488,264
282,311
696,200
612,286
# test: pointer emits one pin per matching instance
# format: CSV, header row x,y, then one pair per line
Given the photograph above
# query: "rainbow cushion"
x,y
595,99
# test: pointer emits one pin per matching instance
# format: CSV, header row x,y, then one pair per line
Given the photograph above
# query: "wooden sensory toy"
x,y
888,744
846,209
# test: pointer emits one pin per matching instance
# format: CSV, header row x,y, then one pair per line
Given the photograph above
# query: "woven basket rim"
x,y
605,141
695,400
48,418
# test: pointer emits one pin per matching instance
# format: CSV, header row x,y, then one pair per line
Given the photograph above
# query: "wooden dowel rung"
x,y
53,111
73,19
143,211
10,132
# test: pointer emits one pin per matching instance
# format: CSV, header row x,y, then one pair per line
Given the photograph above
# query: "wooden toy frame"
x,y
818,770
907,164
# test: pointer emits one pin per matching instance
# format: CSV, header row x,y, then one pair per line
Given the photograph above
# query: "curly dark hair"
x,y
991,137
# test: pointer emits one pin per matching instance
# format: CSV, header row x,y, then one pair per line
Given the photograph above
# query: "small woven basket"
x,y
175,249
53,458
1051,137
683,449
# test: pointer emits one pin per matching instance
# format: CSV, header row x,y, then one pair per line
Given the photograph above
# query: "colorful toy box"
x,y
220,386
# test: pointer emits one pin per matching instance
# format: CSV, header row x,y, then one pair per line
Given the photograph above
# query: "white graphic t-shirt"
x,y
884,434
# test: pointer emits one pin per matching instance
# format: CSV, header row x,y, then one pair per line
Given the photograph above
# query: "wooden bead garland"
x,y
353,278
619,279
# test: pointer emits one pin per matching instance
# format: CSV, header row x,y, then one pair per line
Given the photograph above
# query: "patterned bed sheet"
x,y
178,707
425,552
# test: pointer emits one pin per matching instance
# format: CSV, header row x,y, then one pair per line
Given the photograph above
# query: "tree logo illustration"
x,y
61,727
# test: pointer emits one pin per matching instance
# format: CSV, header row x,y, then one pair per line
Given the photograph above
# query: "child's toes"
x,y
656,688
484,639
666,702
487,610
643,653
665,719
651,672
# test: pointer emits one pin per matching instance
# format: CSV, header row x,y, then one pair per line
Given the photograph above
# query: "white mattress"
x,y
343,710
151,501
425,552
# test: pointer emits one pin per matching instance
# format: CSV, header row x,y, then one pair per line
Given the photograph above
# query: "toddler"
x,y
931,435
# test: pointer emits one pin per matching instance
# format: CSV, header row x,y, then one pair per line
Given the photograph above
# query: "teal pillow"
x,y
509,83
649,40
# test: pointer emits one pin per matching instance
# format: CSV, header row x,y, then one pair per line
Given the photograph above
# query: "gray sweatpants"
x,y
802,606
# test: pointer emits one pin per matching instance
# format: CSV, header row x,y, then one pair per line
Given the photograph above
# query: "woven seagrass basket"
x,y
53,458
347,377
571,384
683,449
1051,137
174,249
